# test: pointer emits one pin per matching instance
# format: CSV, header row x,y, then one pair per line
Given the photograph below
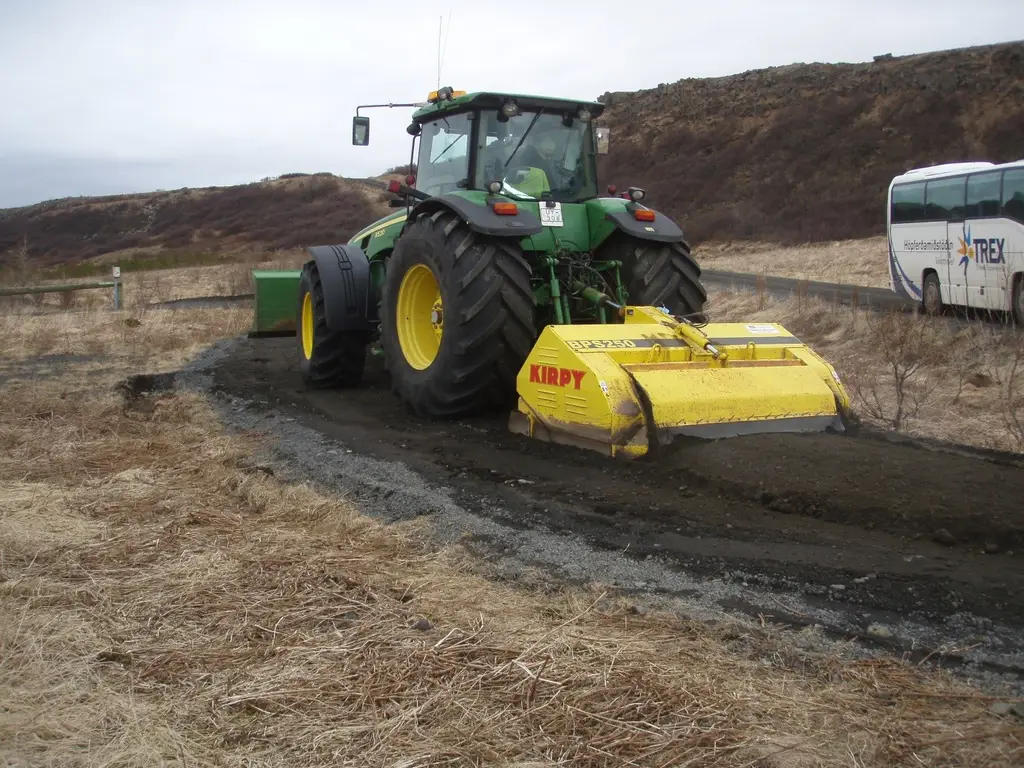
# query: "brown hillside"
x,y
800,153
805,152
294,210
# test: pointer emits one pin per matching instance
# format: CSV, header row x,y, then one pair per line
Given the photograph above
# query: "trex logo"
x,y
981,251
559,377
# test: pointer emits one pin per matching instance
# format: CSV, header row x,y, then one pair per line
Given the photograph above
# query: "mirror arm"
x,y
374,106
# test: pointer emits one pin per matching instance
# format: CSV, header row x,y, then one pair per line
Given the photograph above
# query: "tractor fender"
x,y
661,230
480,218
350,300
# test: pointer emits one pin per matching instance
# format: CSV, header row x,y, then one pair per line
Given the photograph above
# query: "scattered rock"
x,y
145,383
521,481
114,656
979,380
861,579
783,506
422,625
1001,708
944,537
639,609
991,548
838,587
880,632
250,467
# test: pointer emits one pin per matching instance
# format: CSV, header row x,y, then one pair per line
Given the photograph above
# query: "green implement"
x,y
275,292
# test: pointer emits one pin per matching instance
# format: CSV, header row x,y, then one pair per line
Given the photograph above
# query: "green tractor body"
x,y
501,232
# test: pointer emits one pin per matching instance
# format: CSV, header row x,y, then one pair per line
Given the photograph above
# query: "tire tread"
x,y
339,357
489,321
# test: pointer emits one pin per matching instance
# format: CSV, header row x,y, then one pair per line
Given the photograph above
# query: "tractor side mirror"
x,y
360,130
603,136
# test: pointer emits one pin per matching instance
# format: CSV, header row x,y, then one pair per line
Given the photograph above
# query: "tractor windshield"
x,y
537,155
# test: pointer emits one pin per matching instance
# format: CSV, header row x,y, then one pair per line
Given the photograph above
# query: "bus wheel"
x,y
931,297
1018,300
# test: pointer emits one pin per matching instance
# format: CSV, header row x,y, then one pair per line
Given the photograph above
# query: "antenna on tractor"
x,y
442,49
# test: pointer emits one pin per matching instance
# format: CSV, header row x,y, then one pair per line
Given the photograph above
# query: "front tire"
x,y
658,274
931,295
1018,301
456,317
327,359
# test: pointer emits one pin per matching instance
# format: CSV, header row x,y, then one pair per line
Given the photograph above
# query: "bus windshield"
x,y
536,155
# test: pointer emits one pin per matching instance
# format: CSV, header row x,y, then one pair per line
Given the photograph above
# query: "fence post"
x,y
117,288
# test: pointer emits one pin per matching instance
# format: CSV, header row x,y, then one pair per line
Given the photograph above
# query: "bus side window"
x,y
1013,194
907,203
983,195
944,199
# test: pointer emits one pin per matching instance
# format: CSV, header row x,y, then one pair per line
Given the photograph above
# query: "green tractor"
x,y
501,233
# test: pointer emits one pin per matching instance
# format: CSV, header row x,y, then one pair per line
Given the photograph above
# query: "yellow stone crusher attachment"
x,y
625,388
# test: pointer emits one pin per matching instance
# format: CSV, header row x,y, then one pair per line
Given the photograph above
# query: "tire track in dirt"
x,y
810,529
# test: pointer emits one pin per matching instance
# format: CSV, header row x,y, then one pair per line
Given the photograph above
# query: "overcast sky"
x,y
100,96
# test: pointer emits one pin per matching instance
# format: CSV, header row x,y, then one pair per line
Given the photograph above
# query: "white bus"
x,y
956,236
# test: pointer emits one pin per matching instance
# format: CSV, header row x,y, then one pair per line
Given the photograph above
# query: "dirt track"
x,y
842,525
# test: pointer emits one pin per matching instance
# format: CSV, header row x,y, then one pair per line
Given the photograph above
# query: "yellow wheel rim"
x,y
307,326
419,317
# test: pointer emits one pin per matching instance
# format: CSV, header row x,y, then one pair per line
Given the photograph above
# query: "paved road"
x,y
782,287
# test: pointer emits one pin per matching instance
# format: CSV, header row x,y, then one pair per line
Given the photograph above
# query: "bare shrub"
x,y
914,355
17,265
1011,390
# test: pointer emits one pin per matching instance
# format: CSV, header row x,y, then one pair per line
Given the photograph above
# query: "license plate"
x,y
551,217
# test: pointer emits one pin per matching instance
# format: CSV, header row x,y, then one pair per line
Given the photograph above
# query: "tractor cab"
x,y
522,147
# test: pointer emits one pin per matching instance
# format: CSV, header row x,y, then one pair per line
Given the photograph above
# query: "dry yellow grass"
x,y
125,339
162,600
141,289
856,262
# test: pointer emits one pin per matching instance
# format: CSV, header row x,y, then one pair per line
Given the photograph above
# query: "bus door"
x,y
944,201
959,278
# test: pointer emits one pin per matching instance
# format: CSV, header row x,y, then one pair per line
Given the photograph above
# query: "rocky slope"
x,y
805,152
291,211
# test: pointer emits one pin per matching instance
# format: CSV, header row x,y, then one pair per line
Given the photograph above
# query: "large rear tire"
x,y
327,359
456,318
658,274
